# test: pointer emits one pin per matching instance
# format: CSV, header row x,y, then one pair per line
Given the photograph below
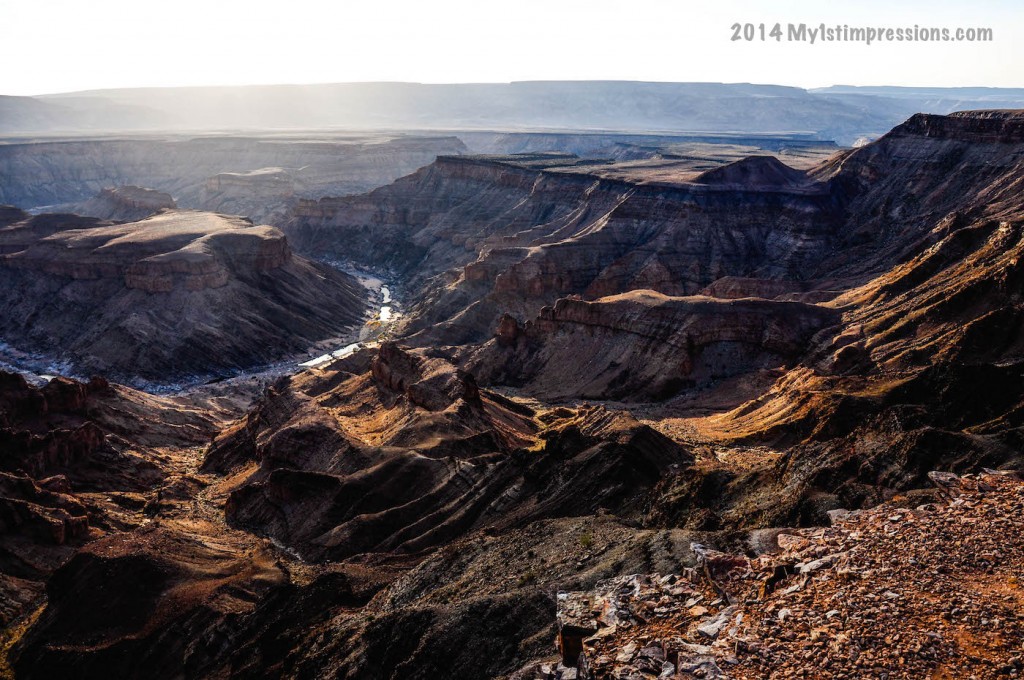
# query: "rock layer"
x,y
47,173
644,345
177,294
264,194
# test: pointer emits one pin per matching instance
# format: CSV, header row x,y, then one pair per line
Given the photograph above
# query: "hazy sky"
x,y
66,45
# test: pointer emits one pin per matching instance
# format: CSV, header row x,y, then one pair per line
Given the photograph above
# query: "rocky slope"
x,y
905,593
175,295
923,371
895,191
75,462
645,346
385,456
528,230
401,452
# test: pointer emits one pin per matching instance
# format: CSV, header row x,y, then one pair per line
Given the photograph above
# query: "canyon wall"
x,y
645,346
609,372
46,173
485,235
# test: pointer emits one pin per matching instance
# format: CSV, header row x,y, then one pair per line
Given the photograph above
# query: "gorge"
x,y
693,415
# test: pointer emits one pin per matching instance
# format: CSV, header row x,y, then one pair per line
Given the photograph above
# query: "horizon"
x,y
514,82
236,44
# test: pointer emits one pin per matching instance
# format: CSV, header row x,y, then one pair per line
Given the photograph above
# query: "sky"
x,y
71,45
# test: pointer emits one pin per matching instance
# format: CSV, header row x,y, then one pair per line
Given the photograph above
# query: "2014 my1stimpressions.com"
x,y
864,34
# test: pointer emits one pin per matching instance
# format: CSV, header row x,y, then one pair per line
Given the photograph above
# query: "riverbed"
x,y
381,319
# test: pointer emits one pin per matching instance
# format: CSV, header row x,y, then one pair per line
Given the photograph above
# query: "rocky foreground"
x,y
892,592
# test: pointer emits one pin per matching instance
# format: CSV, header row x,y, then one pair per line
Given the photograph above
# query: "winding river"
x,y
382,321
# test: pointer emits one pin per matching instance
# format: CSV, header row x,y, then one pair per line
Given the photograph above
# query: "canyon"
x,y
737,411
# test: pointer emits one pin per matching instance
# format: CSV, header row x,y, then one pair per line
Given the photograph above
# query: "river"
x,y
380,323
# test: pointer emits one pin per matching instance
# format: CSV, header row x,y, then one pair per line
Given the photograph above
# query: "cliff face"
x,y
645,346
125,204
38,451
70,171
264,195
992,126
177,294
952,170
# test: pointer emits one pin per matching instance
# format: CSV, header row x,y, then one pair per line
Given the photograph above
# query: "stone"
x,y
818,564
627,653
944,480
711,629
789,542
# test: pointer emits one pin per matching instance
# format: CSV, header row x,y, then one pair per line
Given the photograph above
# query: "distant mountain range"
x,y
842,113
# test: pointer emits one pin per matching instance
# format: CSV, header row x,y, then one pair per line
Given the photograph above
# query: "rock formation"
x,y
763,173
125,204
526,231
644,345
264,195
175,295
402,452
